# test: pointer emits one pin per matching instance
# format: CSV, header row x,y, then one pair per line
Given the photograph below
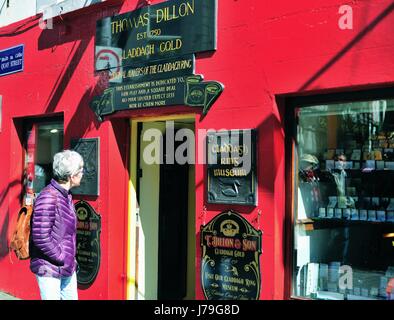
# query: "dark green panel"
x,y
189,91
232,167
88,243
230,263
88,148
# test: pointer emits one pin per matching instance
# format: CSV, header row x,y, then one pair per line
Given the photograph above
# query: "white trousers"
x,y
64,288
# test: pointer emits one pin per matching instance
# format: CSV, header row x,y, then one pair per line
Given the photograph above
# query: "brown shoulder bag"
x,y
20,237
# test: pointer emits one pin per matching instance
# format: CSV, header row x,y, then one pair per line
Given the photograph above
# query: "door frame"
x,y
133,211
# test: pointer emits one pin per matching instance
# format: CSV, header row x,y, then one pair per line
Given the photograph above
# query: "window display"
x,y
43,140
344,201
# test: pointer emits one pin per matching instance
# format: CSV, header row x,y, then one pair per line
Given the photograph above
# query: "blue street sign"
x,y
12,60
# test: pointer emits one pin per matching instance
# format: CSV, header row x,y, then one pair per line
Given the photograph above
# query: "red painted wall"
x,y
58,78
265,49
270,48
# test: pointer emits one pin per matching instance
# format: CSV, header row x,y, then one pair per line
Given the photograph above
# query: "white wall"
x,y
53,8
17,10
21,9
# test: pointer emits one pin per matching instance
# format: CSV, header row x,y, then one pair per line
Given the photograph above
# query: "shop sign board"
x,y
232,167
88,148
12,60
178,90
166,30
156,64
230,262
88,243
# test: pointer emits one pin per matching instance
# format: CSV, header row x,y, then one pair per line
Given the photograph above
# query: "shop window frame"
x,y
26,125
290,104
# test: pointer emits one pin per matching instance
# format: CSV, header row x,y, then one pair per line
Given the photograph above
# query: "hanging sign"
x,y
230,262
88,243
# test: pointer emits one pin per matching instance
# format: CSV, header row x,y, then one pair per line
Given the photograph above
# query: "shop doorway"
x,y
162,237
173,220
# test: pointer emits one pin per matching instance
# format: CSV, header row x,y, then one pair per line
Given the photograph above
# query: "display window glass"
x,y
42,141
344,201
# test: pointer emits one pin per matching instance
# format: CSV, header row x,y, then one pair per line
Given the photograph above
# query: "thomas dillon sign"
x,y
88,243
165,30
149,56
230,258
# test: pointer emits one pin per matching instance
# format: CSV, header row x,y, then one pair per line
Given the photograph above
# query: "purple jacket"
x,y
53,233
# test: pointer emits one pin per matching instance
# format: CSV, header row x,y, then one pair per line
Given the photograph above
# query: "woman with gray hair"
x,y
53,230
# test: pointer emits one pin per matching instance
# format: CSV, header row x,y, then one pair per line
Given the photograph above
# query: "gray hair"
x,y
66,163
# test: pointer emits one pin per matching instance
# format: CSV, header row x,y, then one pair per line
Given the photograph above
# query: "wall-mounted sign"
x,y
232,167
88,148
88,243
111,59
156,64
162,31
12,60
189,90
230,264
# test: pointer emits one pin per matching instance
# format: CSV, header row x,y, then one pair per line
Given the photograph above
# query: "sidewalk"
x,y
5,296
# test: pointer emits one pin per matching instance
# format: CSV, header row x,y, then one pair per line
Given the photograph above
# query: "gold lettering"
x,y
230,288
209,276
218,277
249,245
175,12
170,45
250,283
138,52
233,161
235,172
224,252
234,280
141,20
120,25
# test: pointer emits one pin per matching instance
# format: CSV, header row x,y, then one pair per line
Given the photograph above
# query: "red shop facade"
x,y
293,100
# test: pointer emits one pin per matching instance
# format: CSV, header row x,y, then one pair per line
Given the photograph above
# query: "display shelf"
x,y
357,297
321,223
363,170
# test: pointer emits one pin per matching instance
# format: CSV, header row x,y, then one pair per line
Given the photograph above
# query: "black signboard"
x,y
189,90
230,265
232,167
88,243
88,148
162,31
149,56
